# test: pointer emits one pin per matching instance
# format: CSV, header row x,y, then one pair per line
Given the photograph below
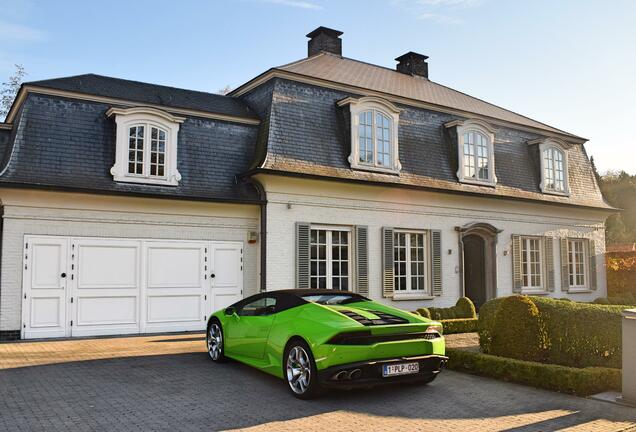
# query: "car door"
x,y
249,327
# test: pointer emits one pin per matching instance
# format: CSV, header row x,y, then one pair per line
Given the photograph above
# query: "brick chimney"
x,y
412,63
324,39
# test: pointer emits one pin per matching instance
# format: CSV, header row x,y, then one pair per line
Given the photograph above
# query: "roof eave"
x,y
282,173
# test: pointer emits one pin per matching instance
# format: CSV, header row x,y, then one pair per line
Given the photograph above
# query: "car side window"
x,y
259,307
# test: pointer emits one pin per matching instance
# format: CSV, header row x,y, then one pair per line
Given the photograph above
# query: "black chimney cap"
x,y
326,30
411,55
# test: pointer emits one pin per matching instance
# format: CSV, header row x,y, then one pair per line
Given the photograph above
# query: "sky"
x,y
568,63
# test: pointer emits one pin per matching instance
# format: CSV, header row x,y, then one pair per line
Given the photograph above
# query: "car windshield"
x,y
333,299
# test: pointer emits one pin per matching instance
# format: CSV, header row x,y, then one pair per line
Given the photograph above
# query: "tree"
x,y
619,189
10,90
225,90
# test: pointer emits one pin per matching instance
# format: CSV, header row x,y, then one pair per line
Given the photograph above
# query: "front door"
x,y
45,295
475,269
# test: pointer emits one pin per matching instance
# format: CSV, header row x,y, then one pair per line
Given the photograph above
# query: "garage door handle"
x,y
63,275
212,275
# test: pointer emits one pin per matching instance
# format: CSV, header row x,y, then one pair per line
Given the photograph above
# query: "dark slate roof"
x,y
136,91
70,144
308,135
354,73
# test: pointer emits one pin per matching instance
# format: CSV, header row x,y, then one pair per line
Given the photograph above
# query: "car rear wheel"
x,y
300,370
214,341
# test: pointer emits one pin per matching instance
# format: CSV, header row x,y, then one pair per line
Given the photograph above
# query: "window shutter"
x,y
436,262
591,248
362,248
303,231
548,256
565,270
387,262
516,263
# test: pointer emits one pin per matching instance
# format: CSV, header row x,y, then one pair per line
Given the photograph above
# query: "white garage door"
x,y
90,286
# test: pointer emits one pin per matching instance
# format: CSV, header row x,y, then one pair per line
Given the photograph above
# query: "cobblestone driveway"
x,y
167,383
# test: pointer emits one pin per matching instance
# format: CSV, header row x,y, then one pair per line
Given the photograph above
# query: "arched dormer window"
x,y
374,134
554,166
475,150
146,146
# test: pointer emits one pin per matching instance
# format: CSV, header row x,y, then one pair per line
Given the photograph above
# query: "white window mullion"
x,y
329,256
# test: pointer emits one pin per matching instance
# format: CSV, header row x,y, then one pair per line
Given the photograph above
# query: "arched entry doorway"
x,y
478,261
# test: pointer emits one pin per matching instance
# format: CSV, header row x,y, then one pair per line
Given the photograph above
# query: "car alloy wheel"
x,y
215,342
298,370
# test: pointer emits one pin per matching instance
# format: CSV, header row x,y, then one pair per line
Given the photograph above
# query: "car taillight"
x,y
434,329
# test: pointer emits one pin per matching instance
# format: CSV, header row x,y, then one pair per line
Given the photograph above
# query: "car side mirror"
x,y
230,311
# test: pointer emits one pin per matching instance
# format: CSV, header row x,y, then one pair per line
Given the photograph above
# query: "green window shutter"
x,y
591,248
388,281
548,257
516,263
565,269
362,262
436,262
303,231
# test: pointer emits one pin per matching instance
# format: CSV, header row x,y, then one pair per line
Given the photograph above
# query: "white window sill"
x,y
406,297
557,193
370,168
478,182
534,292
582,290
146,180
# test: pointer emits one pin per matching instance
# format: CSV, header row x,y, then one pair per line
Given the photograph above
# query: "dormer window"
x,y
146,146
554,165
475,149
374,135
554,169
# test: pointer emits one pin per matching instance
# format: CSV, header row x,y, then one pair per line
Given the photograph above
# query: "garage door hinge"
x,y
71,299
23,325
204,317
25,296
71,323
205,297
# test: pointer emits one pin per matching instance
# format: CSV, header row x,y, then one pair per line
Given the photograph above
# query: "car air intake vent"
x,y
366,338
384,318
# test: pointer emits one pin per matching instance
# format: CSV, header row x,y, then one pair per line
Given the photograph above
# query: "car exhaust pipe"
x,y
355,374
341,375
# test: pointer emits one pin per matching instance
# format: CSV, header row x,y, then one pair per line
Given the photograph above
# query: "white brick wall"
x,y
347,204
48,213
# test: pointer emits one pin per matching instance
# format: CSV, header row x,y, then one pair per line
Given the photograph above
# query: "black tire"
x,y
214,339
304,384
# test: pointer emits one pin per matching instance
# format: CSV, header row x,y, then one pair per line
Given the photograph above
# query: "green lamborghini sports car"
x,y
317,338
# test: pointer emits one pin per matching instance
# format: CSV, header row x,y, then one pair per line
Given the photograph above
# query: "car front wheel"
x,y
300,370
214,341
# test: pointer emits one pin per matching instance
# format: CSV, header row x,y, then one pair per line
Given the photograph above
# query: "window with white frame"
x,y
577,262
554,165
410,263
531,264
374,137
475,148
554,169
146,146
330,258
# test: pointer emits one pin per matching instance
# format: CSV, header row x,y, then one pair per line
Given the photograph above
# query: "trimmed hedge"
x,y
577,334
580,382
464,308
461,325
526,330
424,312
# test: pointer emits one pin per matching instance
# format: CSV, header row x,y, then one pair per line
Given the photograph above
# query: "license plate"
x,y
400,369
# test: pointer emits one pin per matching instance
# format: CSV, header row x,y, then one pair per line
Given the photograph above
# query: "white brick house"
x,y
135,208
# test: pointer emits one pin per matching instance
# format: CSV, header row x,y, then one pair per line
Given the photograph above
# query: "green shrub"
x,y
581,335
581,382
464,308
424,312
460,325
602,300
518,331
486,323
